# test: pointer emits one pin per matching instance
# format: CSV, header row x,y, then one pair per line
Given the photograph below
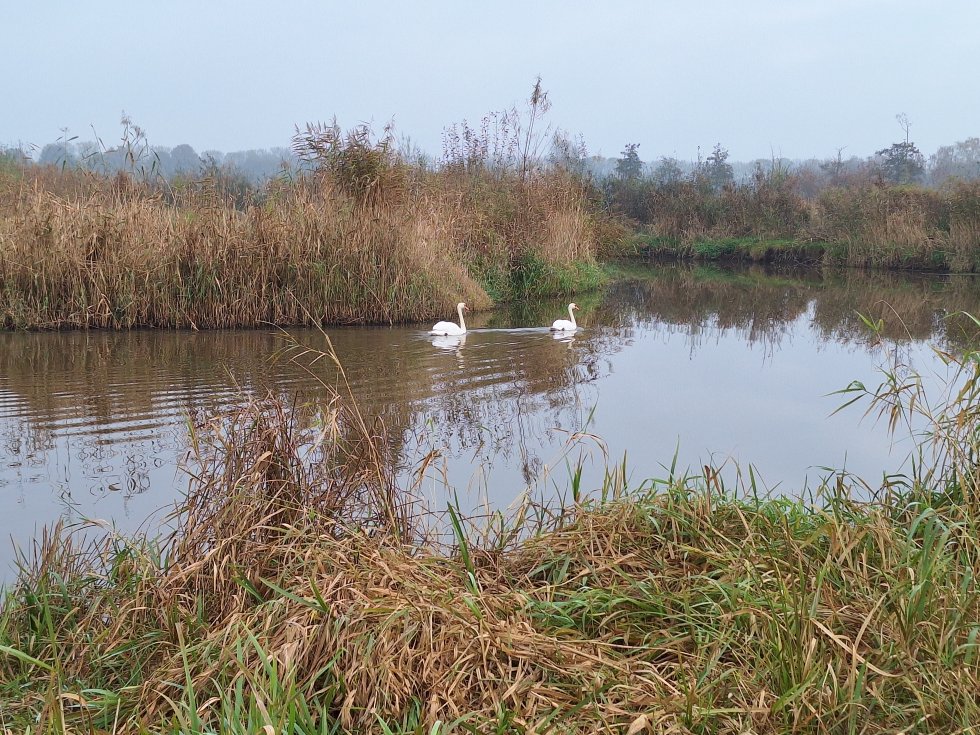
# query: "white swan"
x,y
564,325
450,328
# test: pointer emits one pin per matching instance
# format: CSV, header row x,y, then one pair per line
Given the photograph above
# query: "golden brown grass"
x,y
868,225
314,256
403,244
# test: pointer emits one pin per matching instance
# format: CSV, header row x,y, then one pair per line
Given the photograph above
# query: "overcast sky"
x,y
798,78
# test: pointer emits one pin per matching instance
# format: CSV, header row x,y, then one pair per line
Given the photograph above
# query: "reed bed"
x,y
866,224
360,236
305,591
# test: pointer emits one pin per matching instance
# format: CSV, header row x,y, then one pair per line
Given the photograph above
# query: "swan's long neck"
x,y
571,315
462,324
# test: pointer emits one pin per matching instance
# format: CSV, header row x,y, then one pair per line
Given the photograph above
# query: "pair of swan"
x,y
446,329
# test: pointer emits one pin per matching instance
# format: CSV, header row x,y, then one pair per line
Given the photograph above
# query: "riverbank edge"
x,y
534,278
804,616
531,278
789,252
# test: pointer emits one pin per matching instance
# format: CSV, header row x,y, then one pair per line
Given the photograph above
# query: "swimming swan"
x,y
564,325
449,328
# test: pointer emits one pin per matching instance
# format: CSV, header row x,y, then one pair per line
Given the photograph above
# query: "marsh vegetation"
x,y
305,583
854,217
360,233
359,227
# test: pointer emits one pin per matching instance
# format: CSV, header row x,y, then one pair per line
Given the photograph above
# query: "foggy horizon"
x,y
764,79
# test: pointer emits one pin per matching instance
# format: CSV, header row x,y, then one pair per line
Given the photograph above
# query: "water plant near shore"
x,y
303,591
311,253
865,224
362,234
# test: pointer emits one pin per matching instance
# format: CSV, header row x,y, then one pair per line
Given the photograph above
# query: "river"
x,y
726,367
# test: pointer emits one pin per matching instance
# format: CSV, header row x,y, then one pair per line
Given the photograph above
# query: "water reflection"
x,y
449,343
722,363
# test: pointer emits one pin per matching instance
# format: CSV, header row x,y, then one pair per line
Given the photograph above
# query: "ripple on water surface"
x,y
719,363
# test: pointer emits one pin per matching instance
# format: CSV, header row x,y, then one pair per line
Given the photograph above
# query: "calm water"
x,y
716,365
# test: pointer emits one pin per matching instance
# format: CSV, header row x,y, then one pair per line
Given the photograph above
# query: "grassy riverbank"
x,y
736,250
688,609
366,234
305,592
775,218
361,236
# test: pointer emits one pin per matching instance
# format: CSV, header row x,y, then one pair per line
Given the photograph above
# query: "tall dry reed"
x,y
362,237
865,223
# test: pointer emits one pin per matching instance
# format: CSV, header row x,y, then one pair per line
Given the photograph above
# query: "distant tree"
x,y
61,153
629,167
569,153
846,172
11,159
52,154
626,190
902,163
185,160
960,160
834,168
717,169
212,155
668,171
89,155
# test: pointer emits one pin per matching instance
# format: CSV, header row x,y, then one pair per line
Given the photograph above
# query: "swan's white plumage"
x,y
451,328
564,325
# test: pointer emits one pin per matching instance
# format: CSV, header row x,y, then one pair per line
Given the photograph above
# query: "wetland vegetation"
x,y
364,228
806,216
305,587
361,233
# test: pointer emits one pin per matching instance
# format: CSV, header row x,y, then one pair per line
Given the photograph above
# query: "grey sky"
x,y
796,78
